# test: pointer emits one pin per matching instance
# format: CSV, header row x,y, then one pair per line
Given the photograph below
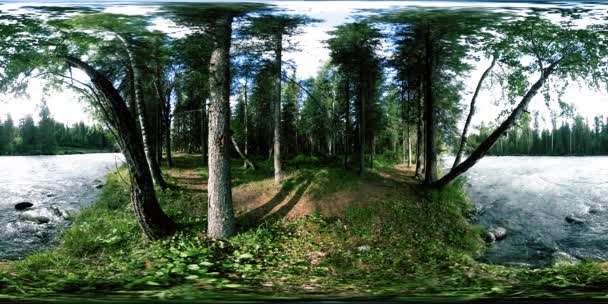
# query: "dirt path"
x,y
298,196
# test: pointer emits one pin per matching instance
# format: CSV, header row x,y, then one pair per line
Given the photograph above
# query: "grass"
x,y
412,243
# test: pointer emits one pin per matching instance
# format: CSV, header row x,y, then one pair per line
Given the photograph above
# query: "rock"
x,y
489,237
23,206
500,233
58,212
39,219
561,258
574,220
594,211
364,248
99,186
50,195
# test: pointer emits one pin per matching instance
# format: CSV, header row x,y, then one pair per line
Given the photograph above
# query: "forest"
x,y
210,106
577,138
49,136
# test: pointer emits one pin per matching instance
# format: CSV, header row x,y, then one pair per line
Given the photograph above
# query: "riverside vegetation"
x,y
318,206
51,137
382,243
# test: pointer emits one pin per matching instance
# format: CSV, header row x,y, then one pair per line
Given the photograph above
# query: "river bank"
x,y
50,189
323,232
551,207
64,151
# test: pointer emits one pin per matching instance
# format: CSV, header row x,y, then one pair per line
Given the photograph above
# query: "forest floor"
x,y
306,192
324,232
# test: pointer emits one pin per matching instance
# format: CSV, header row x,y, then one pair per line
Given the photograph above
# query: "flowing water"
x,y
56,185
532,196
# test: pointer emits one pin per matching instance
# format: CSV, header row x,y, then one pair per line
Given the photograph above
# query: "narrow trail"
x,y
305,193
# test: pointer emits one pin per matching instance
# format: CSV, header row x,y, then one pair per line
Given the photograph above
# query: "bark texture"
x,y
221,223
430,162
277,108
153,221
144,120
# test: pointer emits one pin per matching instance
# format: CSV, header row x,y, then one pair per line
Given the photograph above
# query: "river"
x,y
532,196
56,185
529,196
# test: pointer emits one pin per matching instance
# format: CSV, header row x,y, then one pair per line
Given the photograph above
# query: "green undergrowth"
x,y
408,245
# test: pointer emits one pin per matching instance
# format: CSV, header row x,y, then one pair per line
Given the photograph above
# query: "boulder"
x,y
50,195
561,258
39,219
594,211
60,213
489,237
500,233
23,206
574,220
99,186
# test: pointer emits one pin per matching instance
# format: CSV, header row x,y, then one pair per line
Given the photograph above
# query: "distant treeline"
x,y
577,137
50,137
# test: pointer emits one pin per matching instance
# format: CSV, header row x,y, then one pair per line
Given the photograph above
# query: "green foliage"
x,y
304,160
406,244
51,137
570,138
410,236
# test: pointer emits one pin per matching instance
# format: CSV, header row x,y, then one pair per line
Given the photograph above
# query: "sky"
x,y
65,106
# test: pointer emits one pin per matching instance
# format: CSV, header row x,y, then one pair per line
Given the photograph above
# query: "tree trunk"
x,y
246,161
153,221
409,148
204,135
347,122
407,128
463,138
419,136
487,144
246,122
221,223
403,147
403,122
277,108
373,152
157,126
430,162
168,130
144,121
362,97
168,143
165,99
